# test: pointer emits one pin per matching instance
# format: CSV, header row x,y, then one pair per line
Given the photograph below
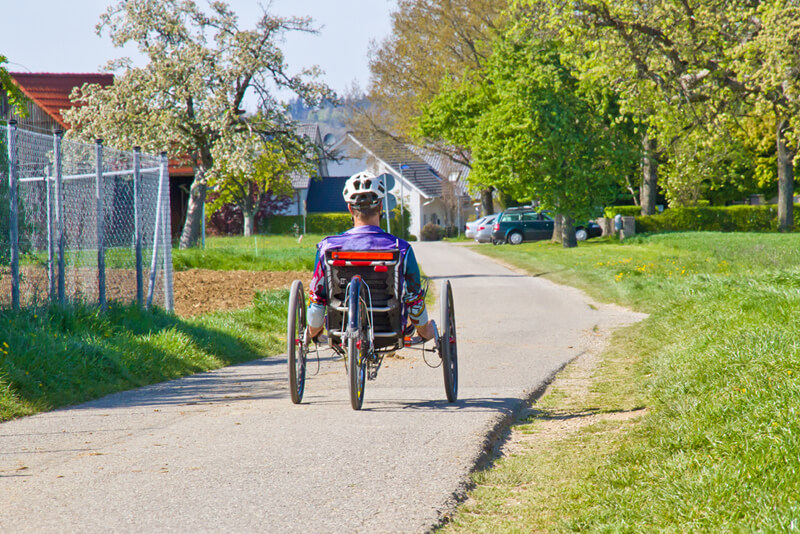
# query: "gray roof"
x,y
398,156
445,167
310,130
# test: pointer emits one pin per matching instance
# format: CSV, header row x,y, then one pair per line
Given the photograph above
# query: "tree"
x,y
189,98
254,169
16,98
533,131
431,41
697,61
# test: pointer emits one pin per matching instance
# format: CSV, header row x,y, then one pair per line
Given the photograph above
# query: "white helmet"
x,y
363,189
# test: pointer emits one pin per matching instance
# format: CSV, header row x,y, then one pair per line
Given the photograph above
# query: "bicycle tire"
x,y
357,342
296,351
448,343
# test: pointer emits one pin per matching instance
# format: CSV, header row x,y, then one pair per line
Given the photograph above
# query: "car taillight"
x,y
496,227
481,227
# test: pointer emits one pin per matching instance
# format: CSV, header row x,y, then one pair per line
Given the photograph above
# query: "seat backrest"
x,y
381,270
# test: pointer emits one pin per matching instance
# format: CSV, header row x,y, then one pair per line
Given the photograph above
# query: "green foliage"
x,y
327,223
16,98
715,365
57,357
716,219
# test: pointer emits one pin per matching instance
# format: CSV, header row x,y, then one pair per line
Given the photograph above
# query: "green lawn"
x,y
716,368
257,253
55,357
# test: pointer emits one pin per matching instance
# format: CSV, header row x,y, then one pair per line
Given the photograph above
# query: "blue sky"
x,y
59,35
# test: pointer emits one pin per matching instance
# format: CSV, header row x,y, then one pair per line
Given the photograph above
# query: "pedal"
x,y
416,340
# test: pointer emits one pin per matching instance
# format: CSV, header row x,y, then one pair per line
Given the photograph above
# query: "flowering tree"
x,y
189,98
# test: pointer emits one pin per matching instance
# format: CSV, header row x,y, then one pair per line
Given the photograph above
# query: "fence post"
x,y
59,208
137,224
101,253
13,212
166,231
156,232
51,279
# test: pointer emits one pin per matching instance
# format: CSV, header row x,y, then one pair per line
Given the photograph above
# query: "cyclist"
x,y
364,194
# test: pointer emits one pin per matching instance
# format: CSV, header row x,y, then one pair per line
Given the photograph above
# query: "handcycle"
x,y
365,322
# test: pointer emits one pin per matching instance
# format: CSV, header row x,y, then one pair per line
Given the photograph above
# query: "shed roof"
x,y
50,91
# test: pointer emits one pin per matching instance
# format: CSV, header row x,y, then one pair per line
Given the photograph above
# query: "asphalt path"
x,y
226,451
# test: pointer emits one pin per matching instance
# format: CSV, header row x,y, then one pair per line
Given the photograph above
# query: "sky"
x,y
59,35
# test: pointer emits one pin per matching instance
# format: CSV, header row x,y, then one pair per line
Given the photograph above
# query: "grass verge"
x,y
56,357
709,380
256,253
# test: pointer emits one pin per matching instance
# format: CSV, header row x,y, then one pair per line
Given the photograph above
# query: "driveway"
x,y
227,451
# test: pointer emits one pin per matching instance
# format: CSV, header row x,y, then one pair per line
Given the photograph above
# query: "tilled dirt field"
x,y
201,291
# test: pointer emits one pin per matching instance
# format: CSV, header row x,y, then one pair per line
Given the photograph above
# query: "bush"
x,y
326,223
432,232
716,219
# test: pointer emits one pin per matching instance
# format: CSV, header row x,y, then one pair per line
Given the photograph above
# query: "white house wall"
x,y
292,209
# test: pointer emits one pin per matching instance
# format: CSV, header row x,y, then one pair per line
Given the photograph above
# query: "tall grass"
x,y
57,357
717,366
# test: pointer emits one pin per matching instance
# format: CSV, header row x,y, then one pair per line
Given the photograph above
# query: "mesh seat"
x,y
381,272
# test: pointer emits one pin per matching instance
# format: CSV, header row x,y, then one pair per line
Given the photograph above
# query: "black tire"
x,y
448,343
295,330
514,238
358,343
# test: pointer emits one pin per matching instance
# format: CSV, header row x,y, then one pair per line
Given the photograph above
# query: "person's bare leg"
x,y
425,331
314,332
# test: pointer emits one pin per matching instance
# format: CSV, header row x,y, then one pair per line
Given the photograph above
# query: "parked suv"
x,y
523,223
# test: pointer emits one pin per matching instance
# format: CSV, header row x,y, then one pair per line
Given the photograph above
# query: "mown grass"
x,y
716,365
257,253
57,357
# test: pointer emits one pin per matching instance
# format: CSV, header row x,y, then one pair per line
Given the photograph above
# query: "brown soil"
x,y
200,290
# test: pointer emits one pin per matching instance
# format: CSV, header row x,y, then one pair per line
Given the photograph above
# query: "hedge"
x,y
625,211
322,223
716,219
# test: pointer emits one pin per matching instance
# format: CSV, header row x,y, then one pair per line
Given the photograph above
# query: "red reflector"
x,y
338,263
381,268
373,256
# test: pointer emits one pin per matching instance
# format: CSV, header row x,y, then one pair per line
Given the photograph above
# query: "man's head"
x,y
364,194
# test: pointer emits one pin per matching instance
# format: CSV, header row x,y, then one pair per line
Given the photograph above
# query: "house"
x,y
431,194
432,186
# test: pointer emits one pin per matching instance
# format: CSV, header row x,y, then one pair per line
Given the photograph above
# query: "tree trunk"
x,y
487,204
249,223
785,178
649,176
558,221
568,239
194,211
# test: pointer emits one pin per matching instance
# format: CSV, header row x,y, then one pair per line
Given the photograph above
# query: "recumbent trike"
x,y
364,322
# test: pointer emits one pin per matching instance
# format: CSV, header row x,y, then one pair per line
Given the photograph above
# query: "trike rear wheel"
x,y
448,344
358,342
295,344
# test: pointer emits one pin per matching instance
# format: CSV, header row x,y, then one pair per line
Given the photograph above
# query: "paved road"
x,y
227,451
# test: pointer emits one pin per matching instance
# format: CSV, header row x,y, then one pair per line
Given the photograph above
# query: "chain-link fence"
x,y
81,223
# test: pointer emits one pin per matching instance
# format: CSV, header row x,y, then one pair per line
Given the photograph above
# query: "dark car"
x,y
519,224
516,225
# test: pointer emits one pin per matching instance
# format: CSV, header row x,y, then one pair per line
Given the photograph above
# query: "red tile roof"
x,y
50,91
